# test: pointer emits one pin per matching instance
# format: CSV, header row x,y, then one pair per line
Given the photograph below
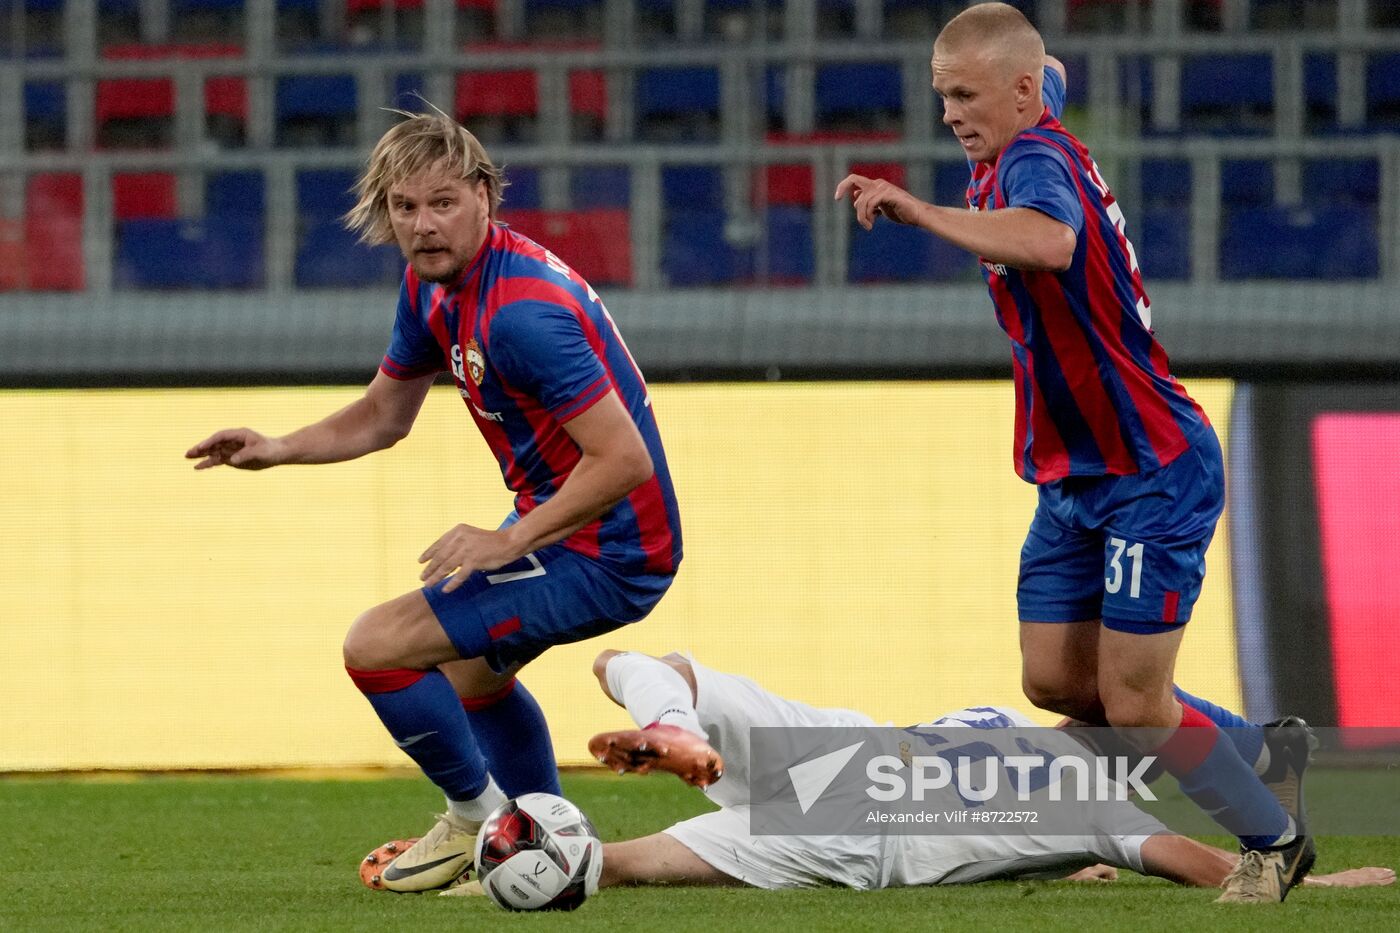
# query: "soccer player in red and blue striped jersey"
x,y
594,539
1129,470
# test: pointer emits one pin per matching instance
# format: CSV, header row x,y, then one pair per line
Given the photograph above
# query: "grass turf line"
x,y
246,853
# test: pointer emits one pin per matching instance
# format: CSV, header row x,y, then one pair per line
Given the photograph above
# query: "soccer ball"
x,y
538,852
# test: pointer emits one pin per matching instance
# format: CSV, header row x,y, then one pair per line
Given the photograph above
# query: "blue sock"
x,y
514,737
1248,737
424,715
1212,773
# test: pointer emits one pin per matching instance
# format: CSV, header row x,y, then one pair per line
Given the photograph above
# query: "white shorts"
x,y
729,705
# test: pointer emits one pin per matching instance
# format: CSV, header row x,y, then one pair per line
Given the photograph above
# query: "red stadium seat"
x,y
13,256
53,232
596,243
144,196
515,93
792,184
123,98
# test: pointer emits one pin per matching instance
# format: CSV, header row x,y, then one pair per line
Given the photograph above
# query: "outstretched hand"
x,y
241,448
873,196
463,549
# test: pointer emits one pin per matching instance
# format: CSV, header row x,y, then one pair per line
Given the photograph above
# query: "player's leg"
x,y
658,859
391,653
1186,861
659,695
1058,598
509,726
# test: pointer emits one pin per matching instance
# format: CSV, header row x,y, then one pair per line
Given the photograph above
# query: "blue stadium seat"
x,y
695,251
1227,80
601,186
524,188
161,253
1353,181
790,246
1338,242
692,187
1320,90
316,96
330,256
888,253
858,88
44,100
232,193
950,181
1076,80
1246,183
1166,181
677,90
1383,91
408,88
324,192
1164,245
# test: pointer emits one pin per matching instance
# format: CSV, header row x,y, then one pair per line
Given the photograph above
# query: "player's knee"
x,y
366,648
1132,709
600,667
1057,696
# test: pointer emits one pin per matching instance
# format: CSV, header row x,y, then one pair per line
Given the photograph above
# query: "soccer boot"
x,y
463,887
1265,876
442,856
1290,744
659,747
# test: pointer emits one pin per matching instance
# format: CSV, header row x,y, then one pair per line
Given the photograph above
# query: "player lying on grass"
x,y
695,722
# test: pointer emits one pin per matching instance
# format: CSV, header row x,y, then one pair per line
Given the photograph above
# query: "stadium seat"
x,y
1164,244
143,196
695,250
600,186
515,92
792,184
1246,183
172,253
1338,242
45,115
1227,94
595,243
1167,182
692,187
1383,91
329,255
858,91
53,232
666,91
790,246
1346,181
892,252
1320,91
524,188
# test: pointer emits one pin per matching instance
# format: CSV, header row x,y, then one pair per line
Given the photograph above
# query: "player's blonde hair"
x,y
419,142
1000,30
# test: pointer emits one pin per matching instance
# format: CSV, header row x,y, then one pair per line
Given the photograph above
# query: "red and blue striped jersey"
x,y
531,346
1094,393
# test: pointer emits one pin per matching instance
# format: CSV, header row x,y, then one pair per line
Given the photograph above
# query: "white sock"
x,y
479,807
653,692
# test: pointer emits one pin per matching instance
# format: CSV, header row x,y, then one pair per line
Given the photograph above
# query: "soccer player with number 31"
x,y
1129,470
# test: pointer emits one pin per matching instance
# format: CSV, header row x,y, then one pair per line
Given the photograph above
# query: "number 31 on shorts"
x,y
1113,580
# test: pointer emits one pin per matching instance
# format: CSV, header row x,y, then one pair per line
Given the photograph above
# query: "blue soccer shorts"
x,y
550,597
1130,550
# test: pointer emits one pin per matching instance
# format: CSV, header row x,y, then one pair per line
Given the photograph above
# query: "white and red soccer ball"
x,y
538,852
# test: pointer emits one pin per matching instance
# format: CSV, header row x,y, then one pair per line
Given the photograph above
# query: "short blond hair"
x,y
1001,30
419,142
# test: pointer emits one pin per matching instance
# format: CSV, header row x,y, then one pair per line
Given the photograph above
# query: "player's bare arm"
x,y
613,462
1019,237
381,418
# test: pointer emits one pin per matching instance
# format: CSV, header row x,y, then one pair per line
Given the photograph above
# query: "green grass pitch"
x,y
256,853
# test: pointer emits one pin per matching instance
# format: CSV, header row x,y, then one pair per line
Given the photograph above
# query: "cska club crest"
x,y
476,363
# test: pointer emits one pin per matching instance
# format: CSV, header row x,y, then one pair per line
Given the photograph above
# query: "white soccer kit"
x,y
728,705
